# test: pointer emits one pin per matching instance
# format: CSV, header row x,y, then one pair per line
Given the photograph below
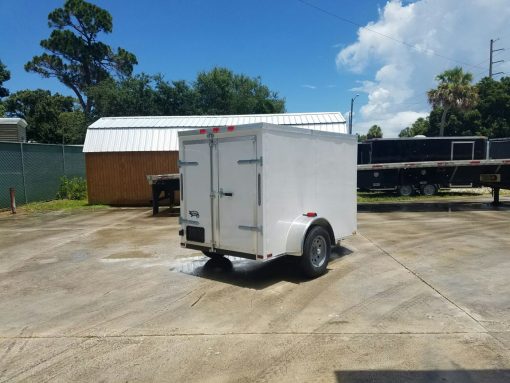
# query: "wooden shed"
x,y
121,151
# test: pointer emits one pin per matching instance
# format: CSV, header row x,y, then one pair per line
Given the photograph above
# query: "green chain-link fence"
x,y
35,170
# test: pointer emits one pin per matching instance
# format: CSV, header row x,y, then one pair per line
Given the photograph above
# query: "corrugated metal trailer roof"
x,y
159,133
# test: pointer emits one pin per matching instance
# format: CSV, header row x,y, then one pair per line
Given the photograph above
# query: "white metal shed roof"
x,y
159,133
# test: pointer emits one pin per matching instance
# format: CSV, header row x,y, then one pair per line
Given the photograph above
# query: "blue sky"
x,y
296,50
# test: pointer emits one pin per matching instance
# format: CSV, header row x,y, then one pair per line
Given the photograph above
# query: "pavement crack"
x,y
246,333
200,297
385,252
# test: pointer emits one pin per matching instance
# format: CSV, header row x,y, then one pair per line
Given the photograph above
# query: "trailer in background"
x,y
427,177
422,149
262,191
421,164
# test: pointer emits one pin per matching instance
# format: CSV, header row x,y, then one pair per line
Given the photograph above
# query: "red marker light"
x,y
203,131
215,130
311,214
231,128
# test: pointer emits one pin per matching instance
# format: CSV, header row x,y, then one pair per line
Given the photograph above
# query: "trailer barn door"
x,y
195,171
237,227
463,150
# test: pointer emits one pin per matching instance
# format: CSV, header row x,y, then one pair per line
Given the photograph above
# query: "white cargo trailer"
x,y
261,191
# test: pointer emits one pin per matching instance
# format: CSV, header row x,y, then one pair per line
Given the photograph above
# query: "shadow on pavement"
x,y
448,207
165,211
252,274
431,376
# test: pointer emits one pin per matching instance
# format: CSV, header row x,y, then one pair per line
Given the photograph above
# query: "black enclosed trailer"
x,y
429,176
421,149
422,164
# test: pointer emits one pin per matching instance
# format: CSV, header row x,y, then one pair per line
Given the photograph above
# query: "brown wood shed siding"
x,y
118,178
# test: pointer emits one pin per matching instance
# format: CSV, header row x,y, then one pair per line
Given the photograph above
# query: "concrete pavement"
x,y
420,294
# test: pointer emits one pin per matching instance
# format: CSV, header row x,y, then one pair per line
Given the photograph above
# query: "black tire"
x,y
406,190
212,255
429,189
316,252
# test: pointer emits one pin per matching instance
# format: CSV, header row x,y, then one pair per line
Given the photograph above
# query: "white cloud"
x,y
402,73
308,86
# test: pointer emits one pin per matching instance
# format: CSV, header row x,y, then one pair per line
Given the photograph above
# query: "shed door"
x,y
237,225
463,150
195,169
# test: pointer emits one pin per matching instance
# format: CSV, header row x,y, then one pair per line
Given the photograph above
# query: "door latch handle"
x,y
225,194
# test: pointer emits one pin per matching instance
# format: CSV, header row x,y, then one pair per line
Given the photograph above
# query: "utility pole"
x,y
350,114
491,63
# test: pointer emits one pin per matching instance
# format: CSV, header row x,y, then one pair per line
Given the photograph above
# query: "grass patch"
x,y
59,205
386,196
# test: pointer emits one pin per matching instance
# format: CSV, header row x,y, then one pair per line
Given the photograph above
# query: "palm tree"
x,y
454,92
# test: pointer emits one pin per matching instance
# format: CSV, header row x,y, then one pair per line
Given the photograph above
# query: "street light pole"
x,y
350,114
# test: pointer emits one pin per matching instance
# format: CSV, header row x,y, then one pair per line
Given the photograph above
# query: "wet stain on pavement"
x,y
129,255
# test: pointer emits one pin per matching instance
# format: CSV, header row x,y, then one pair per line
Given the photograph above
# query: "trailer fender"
x,y
298,230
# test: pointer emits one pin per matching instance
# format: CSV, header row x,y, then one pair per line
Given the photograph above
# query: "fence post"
x,y
23,172
63,160
12,192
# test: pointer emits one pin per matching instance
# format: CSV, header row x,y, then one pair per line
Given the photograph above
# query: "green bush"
x,y
72,188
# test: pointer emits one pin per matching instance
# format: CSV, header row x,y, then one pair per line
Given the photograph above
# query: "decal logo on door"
x,y
194,213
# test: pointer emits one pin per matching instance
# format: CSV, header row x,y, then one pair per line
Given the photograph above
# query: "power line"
x,y
329,13
482,62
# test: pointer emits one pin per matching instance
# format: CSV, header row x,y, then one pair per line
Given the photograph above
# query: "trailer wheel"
x,y
316,252
406,190
212,255
428,189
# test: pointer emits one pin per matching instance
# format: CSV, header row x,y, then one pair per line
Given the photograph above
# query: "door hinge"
x,y
188,221
251,161
187,163
251,228
211,139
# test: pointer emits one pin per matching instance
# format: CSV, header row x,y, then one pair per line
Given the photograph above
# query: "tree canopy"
x,y
51,118
375,131
420,127
454,91
75,56
5,75
489,117
218,91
